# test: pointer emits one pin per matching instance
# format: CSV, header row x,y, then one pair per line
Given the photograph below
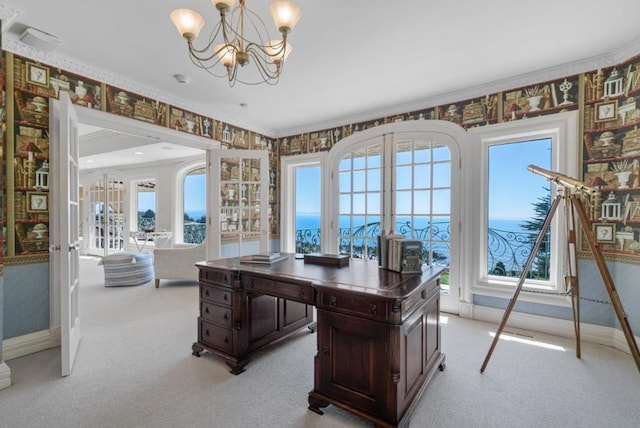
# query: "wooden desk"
x,y
378,331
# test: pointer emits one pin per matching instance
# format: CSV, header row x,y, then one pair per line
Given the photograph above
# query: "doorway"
x,y
105,214
154,135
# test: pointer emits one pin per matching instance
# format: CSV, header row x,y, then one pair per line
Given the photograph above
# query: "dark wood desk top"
x,y
360,276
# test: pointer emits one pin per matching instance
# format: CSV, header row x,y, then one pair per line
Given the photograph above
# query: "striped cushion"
x,y
127,269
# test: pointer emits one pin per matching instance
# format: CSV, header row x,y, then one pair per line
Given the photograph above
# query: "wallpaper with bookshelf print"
x,y
609,111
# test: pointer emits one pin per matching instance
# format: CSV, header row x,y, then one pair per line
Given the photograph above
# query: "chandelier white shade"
x,y
240,38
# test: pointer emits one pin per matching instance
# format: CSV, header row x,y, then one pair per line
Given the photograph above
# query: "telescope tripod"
x,y
573,205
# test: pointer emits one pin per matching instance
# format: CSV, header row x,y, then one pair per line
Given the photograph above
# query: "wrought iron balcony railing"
x,y
507,251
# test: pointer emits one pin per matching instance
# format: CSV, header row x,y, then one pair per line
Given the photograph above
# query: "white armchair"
x,y
178,262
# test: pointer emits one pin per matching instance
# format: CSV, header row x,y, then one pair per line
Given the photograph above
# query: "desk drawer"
x,y
217,314
215,295
299,292
221,277
360,306
216,337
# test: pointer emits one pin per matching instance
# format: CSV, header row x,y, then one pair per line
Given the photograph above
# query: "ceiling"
x,y
102,148
351,60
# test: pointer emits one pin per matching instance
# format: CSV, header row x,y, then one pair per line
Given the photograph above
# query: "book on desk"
x,y
399,254
263,258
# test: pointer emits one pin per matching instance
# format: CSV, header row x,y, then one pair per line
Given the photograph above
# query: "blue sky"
x,y
146,201
194,199
513,187
308,190
194,190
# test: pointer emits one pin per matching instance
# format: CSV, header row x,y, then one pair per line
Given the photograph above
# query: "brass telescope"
x,y
565,181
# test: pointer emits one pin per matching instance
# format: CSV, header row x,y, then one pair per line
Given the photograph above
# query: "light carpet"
x,y
135,369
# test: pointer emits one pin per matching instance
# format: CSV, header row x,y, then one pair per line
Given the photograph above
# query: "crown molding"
x,y
8,15
543,75
12,44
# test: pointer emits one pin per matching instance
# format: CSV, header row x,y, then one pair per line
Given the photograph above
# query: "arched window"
x,y
400,178
194,199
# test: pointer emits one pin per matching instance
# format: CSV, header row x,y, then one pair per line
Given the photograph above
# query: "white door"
x,y
64,251
238,203
105,200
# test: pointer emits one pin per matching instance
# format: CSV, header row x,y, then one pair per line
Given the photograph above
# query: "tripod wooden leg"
x,y
571,278
523,276
575,306
608,282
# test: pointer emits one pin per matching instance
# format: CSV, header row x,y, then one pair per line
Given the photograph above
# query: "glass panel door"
x,y
308,192
105,231
422,198
240,206
401,184
360,202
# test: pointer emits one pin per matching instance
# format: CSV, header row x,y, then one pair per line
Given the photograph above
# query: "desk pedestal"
x,y
376,369
378,331
236,319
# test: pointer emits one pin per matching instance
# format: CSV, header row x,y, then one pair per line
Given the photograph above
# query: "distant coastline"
x,y
196,214
312,221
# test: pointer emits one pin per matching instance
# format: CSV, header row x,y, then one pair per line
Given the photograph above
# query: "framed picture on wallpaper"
x,y
37,202
605,232
37,75
606,111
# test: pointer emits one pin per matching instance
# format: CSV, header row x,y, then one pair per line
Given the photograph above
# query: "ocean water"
x,y
196,214
312,221
508,250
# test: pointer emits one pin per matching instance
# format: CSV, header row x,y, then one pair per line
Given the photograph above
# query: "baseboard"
x,y
30,343
607,336
5,376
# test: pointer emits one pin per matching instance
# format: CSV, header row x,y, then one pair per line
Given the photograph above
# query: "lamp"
x,y
230,46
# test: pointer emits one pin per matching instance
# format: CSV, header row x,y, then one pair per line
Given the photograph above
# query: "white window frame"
x,y
288,166
457,139
183,170
133,199
562,128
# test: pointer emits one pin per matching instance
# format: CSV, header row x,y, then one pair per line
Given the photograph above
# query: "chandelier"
x,y
238,39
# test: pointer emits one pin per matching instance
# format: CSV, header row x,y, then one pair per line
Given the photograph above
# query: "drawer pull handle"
x,y
301,294
206,333
226,278
333,301
206,292
206,310
226,339
251,283
424,294
325,350
373,309
226,317
226,297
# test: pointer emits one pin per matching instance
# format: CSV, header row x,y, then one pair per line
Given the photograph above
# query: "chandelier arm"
x,y
258,31
226,29
262,60
263,49
257,46
214,34
232,73
207,67
230,30
213,57
267,73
